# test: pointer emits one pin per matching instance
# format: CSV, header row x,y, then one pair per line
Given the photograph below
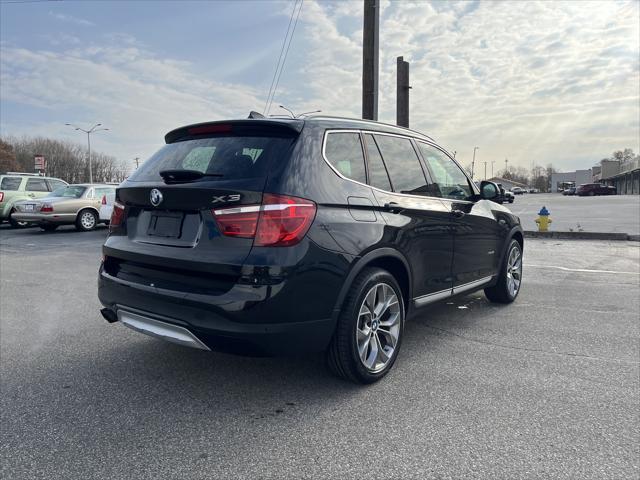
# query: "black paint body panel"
x,y
276,300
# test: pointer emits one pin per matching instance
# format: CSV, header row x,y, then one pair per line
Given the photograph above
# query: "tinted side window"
x,y
344,152
449,179
403,165
37,185
378,176
55,184
10,183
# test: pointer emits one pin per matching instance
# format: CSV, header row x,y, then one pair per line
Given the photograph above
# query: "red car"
x,y
591,189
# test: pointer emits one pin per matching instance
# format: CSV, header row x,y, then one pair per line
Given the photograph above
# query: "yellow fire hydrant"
x,y
543,220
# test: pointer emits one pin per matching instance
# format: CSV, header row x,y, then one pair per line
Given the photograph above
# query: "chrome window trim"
x,y
341,130
374,132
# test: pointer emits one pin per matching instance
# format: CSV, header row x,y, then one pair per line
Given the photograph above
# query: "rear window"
x,y
10,183
227,157
72,191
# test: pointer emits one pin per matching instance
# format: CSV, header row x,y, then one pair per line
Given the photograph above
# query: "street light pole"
x,y
89,132
492,162
485,170
473,162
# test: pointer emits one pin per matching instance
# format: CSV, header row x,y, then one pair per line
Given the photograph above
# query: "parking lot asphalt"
x,y
547,387
615,213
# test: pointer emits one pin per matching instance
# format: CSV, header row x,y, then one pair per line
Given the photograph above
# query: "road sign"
x,y
39,162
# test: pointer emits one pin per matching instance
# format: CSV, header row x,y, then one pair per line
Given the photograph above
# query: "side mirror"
x,y
489,190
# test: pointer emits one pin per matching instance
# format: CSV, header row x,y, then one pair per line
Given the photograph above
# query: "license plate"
x,y
165,224
28,207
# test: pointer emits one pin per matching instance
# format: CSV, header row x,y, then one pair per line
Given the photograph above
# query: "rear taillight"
x,y
1,196
117,216
279,222
46,207
104,200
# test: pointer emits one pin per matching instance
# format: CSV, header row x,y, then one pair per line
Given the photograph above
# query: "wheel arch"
x,y
516,234
88,208
388,259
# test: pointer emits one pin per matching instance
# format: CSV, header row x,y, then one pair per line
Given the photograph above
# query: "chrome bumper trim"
x,y
162,330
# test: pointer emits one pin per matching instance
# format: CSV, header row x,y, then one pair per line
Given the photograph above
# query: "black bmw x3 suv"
x,y
279,236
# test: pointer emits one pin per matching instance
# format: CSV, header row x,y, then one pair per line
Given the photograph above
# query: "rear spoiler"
x,y
245,126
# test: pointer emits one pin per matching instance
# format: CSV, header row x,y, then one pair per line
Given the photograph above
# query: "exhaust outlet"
x,y
109,315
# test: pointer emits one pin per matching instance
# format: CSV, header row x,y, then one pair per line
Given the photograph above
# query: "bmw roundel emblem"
x,y
156,197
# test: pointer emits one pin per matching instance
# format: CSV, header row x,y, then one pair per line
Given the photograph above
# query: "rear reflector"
x,y
46,207
104,199
1,196
117,216
204,129
279,222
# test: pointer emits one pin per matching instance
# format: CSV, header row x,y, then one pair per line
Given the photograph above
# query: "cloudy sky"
x,y
538,82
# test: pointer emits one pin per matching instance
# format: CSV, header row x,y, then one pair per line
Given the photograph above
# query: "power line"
x,y
284,42
284,59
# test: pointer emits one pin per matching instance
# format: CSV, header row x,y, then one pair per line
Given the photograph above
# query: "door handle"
x,y
457,213
392,207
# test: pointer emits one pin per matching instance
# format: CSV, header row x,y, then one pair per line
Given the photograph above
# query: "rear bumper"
x,y
246,320
44,218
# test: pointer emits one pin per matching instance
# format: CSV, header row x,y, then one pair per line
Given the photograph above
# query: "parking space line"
x,y
585,270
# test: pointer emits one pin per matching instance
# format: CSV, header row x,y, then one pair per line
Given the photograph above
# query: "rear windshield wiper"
x,y
183,176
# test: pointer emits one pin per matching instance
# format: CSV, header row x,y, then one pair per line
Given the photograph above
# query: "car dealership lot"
x,y
546,387
615,213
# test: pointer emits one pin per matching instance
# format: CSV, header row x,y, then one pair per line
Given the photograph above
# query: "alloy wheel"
x,y
378,327
514,271
88,220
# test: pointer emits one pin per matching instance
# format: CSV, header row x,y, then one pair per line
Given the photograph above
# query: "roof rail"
x,y
364,120
21,173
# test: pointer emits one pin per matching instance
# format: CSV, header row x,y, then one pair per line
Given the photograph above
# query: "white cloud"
x,y
533,81
127,88
71,19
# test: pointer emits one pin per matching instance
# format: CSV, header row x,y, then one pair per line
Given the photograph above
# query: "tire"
x,y
372,287
509,285
86,220
49,228
15,223
511,200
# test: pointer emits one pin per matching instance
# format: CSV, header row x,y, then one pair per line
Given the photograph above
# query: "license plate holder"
x,y
28,207
165,224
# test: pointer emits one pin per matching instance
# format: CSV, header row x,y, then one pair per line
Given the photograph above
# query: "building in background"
x,y
624,175
577,177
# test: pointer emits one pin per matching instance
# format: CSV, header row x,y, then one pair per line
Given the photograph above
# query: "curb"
x,y
582,235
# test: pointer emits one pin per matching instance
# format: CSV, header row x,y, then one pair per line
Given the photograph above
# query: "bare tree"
x,y
65,160
7,158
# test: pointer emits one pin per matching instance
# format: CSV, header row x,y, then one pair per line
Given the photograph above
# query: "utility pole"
x,y
89,132
473,162
370,48
506,166
137,162
402,93
492,162
485,170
